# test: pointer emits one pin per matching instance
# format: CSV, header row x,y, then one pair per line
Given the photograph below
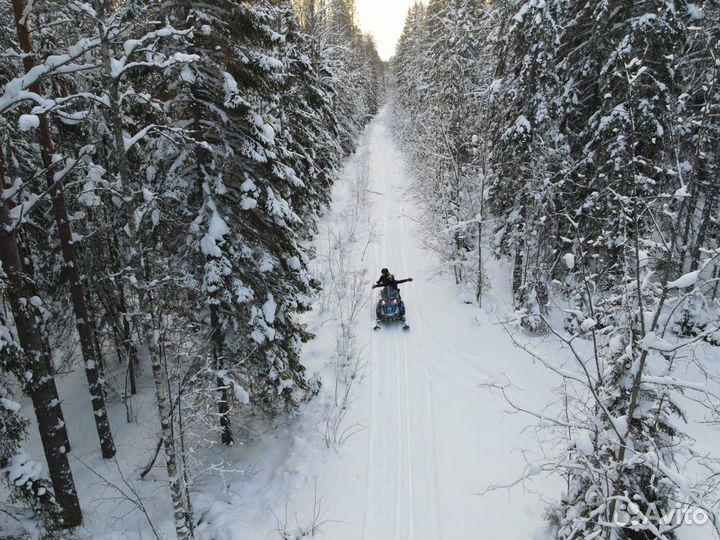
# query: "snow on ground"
x,y
110,491
423,437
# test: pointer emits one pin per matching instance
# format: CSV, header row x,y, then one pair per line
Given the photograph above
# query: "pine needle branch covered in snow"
x,y
188,150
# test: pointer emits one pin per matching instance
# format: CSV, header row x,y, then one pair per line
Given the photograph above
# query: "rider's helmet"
x,y
384,271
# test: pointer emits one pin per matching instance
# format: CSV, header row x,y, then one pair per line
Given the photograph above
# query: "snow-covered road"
x,y
434,438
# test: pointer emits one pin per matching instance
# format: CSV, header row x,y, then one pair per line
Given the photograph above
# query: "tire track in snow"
x,y
402,442
424,412
405,522
382,504
388,240
402,488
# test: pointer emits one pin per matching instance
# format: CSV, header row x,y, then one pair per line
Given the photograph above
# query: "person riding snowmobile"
x,y
388,280
390,306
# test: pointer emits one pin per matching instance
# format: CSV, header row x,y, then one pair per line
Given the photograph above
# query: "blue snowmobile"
x,y
390,306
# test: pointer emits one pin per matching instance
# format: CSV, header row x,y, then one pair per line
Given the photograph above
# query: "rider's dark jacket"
x,y
389,281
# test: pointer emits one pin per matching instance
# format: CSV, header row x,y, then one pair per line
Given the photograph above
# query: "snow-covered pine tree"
x,y
128,44
408,78
601,130
625,443
623,202
700,89
452,28
308,126
192,183
526,156
442,82
345,55
243,239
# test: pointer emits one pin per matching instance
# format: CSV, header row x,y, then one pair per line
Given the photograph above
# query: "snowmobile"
x,y
390,307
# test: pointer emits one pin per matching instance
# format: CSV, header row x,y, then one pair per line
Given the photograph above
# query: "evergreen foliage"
x,y
193,145
591,126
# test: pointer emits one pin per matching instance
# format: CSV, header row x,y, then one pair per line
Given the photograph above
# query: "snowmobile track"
x,y
401,498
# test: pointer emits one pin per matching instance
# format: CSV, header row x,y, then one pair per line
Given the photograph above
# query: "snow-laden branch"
x,y
120,67
16,90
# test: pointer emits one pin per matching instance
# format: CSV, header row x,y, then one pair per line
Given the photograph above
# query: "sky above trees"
x,y
384,20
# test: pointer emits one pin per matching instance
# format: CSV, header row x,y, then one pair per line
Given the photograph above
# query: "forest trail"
x,y
427,436
434,437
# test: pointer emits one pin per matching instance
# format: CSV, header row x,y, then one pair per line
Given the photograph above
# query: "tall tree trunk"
x,y
128,342
218,356
23,300
690,209
129,347
518,267
72,262
479,282
709,201
29,270
144,322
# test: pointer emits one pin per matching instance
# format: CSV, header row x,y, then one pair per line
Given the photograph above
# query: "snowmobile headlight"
x,y
383,302
395,301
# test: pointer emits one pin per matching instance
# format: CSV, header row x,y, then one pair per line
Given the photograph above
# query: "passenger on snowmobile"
x,y
388,280
390,306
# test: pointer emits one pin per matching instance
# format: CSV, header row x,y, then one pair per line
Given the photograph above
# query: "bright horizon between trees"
x,y
384,20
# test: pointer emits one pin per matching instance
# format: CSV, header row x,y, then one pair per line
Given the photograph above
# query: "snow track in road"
x,y
401,443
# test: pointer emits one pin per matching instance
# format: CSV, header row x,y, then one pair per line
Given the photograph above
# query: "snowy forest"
x,y
579,141
197,198
163,165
